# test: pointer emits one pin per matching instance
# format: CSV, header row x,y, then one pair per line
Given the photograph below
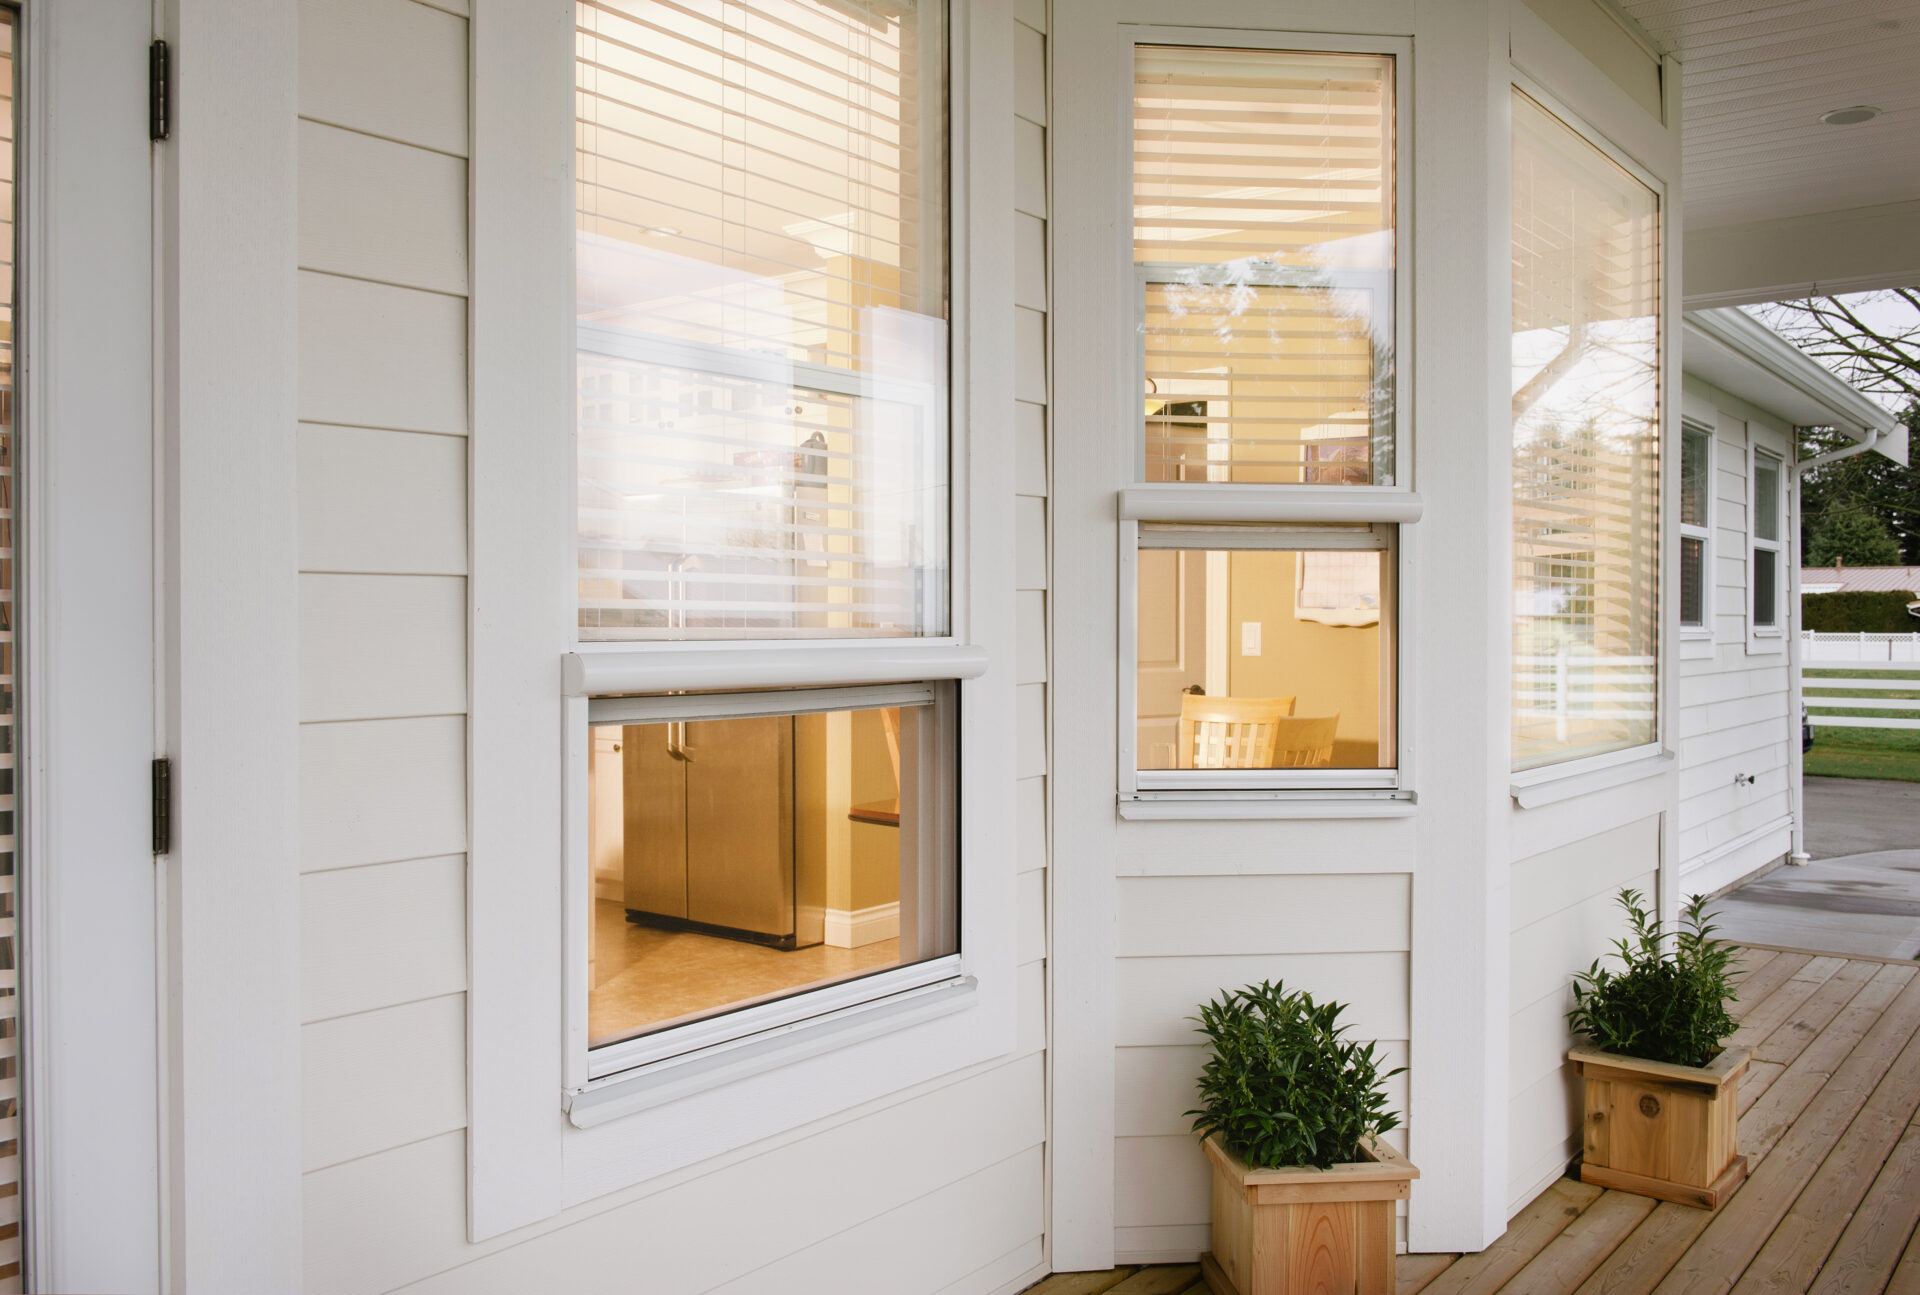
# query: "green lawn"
x,y
1865,752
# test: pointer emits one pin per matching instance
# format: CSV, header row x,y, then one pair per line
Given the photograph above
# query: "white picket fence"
x,y
1816,648
1569,689
1866,675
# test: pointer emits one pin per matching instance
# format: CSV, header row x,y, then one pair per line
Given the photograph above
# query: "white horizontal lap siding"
x,y
838,1204
382,464
1563,918
1181,940
1736,720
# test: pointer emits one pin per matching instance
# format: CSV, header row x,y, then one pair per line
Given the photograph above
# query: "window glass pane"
x,y
761,292
1265,659
1264,242
1586,418
1695,482
1692,581
1766,580
740,860
1766,497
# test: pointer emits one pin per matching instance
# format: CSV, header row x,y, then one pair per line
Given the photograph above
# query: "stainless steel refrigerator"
x,y
710,832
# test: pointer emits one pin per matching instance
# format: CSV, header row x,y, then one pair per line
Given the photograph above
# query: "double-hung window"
x,y
1586,446
1769,492
766,674
1260,536
1696,524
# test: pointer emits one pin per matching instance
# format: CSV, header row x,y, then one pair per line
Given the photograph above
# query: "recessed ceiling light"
x,y
1849,116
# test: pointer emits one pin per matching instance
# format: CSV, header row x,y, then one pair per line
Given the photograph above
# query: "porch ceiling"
x,y
1758,77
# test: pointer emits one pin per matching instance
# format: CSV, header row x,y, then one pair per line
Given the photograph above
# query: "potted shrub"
x,y
1662,1093
1290,1117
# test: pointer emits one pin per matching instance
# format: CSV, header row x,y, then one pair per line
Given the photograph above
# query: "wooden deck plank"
x,y
1162,1279
1582,1246
1906,1275
1412,1273
1789,1094
1090,1283
1775,972
1757,1023
1868,1251
1649,1253
1799,1245
1527,1235
1737,1232
1792,1035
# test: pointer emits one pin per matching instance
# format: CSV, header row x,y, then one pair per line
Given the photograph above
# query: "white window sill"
x,y
666,1081
1551,785
1242,806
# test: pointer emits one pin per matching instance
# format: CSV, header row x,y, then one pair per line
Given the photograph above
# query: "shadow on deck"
x,y
1830,1123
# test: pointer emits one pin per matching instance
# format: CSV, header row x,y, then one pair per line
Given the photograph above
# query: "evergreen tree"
x,y
1851,532
1872,481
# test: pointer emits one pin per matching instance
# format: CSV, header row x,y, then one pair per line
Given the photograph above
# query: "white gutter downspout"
x,y
1796,689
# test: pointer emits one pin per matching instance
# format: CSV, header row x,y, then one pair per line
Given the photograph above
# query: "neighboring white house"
x,y
746,603
1744,391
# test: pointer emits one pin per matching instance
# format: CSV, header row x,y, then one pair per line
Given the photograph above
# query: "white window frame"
x,y
1562,780
1702,532
1390,510
1766,639
543,1132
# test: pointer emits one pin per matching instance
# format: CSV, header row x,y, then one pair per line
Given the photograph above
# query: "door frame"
x,y
89,901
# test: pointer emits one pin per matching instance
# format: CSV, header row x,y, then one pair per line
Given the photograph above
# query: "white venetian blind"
x,y
1586,468
761,285
1263,237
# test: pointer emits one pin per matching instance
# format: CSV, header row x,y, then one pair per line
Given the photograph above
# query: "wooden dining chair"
x,y
1229,732
1305,742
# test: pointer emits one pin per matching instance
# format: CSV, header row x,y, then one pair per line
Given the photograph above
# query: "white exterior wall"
x,y
1184,938
1735,696
1563,917
938,1188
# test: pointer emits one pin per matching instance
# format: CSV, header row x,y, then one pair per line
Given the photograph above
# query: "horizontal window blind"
x,y
1263,231
761,281
1586,368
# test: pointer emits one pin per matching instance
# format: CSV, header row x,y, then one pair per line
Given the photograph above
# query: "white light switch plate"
x,y
1249,638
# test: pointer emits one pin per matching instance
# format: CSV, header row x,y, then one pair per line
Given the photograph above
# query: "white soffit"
x,y
1759,73
1745,358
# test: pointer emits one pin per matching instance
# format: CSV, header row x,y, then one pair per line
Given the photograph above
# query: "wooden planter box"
x,y
1660,1130
1324,1231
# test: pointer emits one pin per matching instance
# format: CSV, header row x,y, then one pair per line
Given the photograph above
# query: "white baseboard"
x,y
850,928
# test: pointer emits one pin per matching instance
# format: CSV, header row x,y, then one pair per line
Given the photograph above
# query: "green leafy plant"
x,y
1282,1087
1665,1004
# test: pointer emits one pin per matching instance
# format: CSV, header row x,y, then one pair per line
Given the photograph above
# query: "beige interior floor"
x,y
644,977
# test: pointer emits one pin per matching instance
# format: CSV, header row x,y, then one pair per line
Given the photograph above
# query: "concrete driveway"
x,y
1862,892
1861,816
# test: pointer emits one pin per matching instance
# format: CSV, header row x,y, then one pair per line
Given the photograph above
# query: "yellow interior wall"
x,y
1327,668
874,864
841,761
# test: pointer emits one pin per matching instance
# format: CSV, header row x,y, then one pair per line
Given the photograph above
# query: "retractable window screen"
x,y
1586,418
1264,243
761,290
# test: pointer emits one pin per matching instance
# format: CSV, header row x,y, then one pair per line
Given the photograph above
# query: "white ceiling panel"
x,y
1759,73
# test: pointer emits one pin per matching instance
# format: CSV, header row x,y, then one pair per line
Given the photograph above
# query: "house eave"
x,y
1739,354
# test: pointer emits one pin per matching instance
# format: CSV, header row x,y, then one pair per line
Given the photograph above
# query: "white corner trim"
x,y
1532,793
853,928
